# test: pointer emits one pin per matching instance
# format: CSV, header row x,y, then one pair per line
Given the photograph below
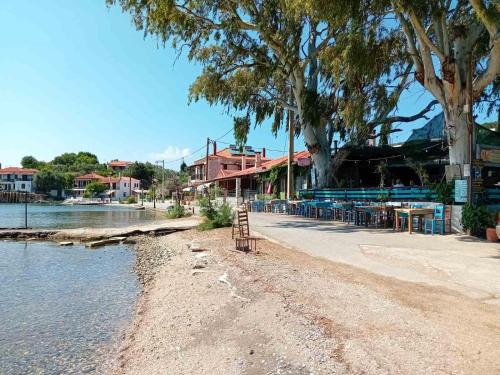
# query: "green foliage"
x,y
261,59
420,171
444,192
95,188
30,162
477,219
143,172
47,180
215,215
130,199
273,177
176,212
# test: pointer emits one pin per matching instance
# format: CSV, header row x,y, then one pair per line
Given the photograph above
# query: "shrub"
x,y
130,200
215,216
444,192
176,212
477,219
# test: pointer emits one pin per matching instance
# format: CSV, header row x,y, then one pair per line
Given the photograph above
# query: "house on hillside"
x,y
119,165
227,160
17,179
118,187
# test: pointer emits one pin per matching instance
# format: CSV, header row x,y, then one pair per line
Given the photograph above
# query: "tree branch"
x,y
423,37
393,119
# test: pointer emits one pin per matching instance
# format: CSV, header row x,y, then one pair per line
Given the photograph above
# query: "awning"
x,y
203,186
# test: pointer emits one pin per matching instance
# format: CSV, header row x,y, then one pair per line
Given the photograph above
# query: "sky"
x,y
77,76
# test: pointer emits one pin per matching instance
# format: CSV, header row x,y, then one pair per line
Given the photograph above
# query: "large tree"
x,y
441,37
261,59
310,59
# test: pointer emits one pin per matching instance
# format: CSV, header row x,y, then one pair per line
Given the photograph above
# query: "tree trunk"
x,y
317,145
315,137
458,138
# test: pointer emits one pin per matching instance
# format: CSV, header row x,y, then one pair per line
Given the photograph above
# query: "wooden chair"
x,y
241,227
241,224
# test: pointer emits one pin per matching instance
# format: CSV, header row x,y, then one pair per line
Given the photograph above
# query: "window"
x,y
124,184
124,194
23,186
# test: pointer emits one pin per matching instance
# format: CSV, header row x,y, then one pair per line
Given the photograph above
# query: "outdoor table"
x,y
316,206
411,212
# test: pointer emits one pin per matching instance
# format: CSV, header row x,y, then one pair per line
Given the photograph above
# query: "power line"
x,y
197,150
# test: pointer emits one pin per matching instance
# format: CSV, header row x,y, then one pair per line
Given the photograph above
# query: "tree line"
x,y
334,68
59,173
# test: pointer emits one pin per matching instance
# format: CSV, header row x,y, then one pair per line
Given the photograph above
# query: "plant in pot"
x,y
498,224
479,221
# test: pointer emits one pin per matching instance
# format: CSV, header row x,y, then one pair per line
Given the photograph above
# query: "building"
x,y
17,179
227,160
118,187
246,182
119,165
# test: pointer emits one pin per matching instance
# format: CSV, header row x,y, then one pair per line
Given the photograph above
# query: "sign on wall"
x,y
460,191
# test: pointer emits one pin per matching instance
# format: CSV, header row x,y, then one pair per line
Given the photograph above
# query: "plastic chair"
x,y
438,221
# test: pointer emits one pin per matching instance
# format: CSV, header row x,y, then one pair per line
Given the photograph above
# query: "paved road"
x,y
456,262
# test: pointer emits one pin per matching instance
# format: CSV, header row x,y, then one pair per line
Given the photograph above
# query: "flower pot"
x,y
491,234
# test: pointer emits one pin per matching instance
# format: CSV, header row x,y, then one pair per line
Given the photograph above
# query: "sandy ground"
x,y
285,312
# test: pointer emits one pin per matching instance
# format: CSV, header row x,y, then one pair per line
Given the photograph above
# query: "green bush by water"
x,y
176,212
215,215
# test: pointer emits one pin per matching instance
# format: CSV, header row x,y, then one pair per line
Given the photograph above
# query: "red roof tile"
x,y
16,170
90,176
263,167
119,163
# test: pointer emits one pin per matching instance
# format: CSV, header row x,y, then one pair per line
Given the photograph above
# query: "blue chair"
x,y
437,222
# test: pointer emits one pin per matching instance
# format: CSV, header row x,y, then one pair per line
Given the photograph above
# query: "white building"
x,y
122,187
17,179
118,187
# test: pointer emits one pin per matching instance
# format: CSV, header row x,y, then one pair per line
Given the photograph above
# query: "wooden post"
x,y
163,181
26,209
206,160
290,187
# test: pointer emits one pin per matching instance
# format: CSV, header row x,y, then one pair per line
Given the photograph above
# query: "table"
x,y
411,212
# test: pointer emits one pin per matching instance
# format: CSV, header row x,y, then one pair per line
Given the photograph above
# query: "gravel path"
x,y
285,312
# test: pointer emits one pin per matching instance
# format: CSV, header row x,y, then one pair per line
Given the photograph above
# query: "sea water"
x,y
62,308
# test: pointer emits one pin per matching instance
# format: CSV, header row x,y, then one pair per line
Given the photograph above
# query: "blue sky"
x,y
77,76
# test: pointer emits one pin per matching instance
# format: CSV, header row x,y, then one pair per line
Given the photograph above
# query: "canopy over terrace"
x,y
247,179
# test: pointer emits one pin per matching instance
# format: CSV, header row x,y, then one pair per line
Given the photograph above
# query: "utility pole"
x,y
163,181
290,187
470,128
26,209
206,160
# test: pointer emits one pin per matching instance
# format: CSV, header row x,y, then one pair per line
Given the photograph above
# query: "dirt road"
x,y
285,312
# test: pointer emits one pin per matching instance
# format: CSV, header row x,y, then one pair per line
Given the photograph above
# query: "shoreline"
x,y
282,311
86,234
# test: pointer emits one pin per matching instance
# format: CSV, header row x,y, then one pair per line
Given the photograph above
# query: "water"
x,y
61,216
61,308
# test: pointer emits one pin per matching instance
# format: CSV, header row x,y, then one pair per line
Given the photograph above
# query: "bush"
x,y
130,200
176,212
477,219
215,216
